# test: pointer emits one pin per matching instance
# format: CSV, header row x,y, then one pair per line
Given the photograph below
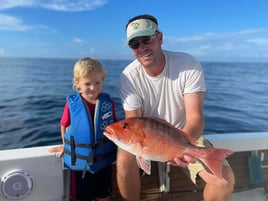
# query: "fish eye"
x,y
125,125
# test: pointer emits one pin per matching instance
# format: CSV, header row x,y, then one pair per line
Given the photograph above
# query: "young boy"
x,y
86,150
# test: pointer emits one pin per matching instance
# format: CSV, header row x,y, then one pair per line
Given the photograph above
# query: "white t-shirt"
x,y
162,96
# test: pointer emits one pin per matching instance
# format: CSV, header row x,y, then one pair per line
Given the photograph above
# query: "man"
x,y
169,86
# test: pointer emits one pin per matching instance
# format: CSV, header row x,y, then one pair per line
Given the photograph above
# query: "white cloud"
x,y
89,52
201,37
240,43
7,4
217,36
227,46
8,22
3,52
92,50
254,31
71,5
58,5
78,40
11,23
200,51
258,41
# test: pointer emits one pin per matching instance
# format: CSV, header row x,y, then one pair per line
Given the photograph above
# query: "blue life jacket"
x,y
85,146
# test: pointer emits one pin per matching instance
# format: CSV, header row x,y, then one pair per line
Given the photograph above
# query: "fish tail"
x,y
214,159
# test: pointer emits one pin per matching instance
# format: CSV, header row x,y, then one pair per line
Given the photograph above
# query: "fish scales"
x,y
152,139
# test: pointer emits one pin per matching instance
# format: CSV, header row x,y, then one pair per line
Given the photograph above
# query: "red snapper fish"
x,y
152,139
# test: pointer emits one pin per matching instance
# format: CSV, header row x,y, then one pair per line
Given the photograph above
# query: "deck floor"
x,y
182,189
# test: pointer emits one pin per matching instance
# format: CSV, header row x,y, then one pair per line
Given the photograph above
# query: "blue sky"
x,y
210,30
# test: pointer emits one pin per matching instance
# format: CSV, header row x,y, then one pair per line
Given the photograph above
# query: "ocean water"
x,y
33,92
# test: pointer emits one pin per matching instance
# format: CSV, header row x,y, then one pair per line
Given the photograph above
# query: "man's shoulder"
x,y
179,55
132,67
182,59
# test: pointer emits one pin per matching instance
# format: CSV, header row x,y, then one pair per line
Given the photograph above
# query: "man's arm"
x,y
194,104
133,113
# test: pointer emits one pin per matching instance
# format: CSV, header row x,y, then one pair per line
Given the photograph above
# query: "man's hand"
x,y
182,161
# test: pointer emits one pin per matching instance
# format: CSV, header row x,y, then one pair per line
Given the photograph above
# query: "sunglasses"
x,y
146,40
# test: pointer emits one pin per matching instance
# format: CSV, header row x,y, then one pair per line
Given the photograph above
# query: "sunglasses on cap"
x,y
146,40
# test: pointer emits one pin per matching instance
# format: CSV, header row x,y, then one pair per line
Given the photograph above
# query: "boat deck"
x,y
182,189
43,178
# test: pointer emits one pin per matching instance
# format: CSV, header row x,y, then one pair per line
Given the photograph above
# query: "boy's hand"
x,y
59,150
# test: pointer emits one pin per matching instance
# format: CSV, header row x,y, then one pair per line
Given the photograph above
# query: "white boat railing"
x,y
239,142
31,174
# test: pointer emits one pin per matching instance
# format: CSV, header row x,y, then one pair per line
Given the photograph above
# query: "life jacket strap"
x,y
72,145
92,146
91,160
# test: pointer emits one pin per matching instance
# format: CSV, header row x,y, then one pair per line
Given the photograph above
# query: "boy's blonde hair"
x,y
87,67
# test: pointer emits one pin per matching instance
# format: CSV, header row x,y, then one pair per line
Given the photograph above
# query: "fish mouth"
x,y
108,132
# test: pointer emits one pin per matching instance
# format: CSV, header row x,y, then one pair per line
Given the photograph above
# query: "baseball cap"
x,y
141,27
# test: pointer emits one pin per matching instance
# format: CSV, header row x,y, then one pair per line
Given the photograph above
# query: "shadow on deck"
x,y
182,189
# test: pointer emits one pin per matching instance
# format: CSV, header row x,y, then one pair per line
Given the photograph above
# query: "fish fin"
x,y
187,136
143,164
214,160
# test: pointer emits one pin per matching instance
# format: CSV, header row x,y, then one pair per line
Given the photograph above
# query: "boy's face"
x,y
90,87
